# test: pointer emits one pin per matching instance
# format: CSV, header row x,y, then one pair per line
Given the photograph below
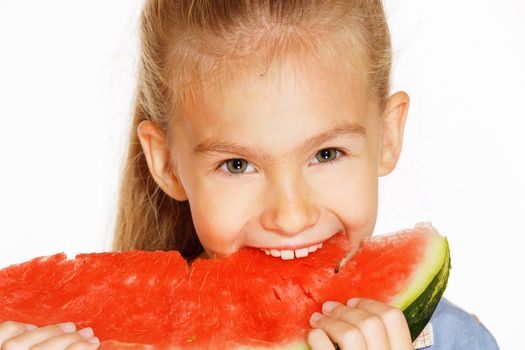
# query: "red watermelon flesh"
x,y
248,299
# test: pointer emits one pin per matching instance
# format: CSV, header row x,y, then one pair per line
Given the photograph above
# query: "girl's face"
x,y
282,160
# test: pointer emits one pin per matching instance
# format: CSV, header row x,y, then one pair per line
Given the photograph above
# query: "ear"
x,y
158,157
393,126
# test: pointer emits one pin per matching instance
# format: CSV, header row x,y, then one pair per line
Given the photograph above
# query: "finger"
x,y
370,325
37,335
342,333
318,340
65,340
10,329
84,346
393,319
88,343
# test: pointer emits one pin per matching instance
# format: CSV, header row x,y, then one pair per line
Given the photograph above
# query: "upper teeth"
x,y
290,254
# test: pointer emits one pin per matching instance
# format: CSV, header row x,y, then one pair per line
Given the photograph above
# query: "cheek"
x,y
351,194
219,214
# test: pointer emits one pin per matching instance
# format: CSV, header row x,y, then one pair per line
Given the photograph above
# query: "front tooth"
x,y
312,248
286,254
301,253
320,245
267,251
275,252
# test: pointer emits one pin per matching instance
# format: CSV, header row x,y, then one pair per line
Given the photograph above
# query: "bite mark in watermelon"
x,y
152,300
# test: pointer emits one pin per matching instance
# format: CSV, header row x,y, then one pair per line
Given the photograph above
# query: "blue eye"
x,y
235,166
240,167
328,154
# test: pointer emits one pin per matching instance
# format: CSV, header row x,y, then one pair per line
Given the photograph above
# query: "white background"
x,y
67,75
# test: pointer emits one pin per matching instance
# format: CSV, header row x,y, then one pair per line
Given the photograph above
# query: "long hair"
x,y
189,45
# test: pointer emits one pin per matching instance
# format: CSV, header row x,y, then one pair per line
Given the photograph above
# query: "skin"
x,y
297,194
21,336
293,198
293,194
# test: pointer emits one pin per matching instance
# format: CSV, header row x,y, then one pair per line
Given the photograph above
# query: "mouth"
x,y
293,252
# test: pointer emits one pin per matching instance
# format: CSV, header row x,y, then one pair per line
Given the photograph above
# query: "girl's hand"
x,y
21,336
361,324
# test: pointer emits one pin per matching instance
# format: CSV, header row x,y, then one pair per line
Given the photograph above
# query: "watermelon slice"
x,y
153,300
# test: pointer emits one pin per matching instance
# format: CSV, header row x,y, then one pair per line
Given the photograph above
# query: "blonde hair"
x,y
190,45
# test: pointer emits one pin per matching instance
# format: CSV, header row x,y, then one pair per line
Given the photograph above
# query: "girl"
x,y
265,124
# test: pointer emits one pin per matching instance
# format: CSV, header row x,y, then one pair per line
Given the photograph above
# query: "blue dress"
x,y
452,328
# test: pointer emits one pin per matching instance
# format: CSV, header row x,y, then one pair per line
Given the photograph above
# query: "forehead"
x,y
301,90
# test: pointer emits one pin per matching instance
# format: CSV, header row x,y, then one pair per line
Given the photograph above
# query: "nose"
x,y
290,208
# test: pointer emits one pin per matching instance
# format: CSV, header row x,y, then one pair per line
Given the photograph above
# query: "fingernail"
x,y
352,302
86,332
93,340
67,327
328,306
316,316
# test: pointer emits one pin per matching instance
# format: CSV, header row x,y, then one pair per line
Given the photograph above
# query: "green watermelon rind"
x,y
427,285
419,312
419,301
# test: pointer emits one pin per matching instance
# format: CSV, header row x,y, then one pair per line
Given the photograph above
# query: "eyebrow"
x,y
213,145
